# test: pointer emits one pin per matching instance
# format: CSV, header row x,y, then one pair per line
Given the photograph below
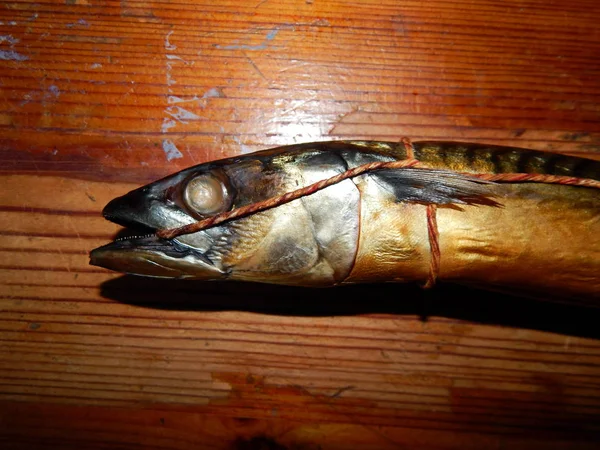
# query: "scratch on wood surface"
x,y
342,119
170,149
91,39
179,58
168,45
340,391
11,54
138,10
569,341
53,92
173,114
252,47
213,93
80,23
191,154
332,402
245,386
181,115
244,149
255,67
9,39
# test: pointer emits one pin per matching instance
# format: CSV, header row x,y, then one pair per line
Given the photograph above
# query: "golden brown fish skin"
x,y
482,158
393,241
479,158
543,238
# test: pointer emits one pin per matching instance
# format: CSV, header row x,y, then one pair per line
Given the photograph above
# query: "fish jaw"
x,y
155,257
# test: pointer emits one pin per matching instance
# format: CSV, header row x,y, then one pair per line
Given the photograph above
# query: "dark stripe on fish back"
x,y
478,158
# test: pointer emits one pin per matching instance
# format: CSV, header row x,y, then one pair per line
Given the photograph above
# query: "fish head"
x,y
309,241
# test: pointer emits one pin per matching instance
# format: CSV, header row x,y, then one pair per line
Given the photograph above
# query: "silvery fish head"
x,y
309,241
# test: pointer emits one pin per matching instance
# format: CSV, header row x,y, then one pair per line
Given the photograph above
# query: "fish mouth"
x,y
138,250
152,256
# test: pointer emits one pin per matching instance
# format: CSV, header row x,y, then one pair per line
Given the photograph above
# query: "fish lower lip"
x,y
149,243
153,256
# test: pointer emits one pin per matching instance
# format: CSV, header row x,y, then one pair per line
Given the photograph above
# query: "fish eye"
x,y
207,194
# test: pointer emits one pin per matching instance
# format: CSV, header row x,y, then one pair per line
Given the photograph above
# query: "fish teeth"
x,y
127,238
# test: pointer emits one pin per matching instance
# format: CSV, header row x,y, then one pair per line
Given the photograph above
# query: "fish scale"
x,y
476,158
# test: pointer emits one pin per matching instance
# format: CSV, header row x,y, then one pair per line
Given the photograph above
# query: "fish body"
x,y
533,237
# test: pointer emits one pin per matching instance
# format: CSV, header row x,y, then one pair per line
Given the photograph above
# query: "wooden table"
x,y
101,96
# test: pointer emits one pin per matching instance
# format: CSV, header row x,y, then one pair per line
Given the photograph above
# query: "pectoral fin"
x,y
435,186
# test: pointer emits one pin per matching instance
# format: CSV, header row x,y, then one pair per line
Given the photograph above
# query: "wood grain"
x,y
100,96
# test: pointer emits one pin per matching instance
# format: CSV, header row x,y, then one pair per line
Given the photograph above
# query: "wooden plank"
x,y
100,97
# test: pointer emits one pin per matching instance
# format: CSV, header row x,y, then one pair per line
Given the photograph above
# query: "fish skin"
x,y
543,239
